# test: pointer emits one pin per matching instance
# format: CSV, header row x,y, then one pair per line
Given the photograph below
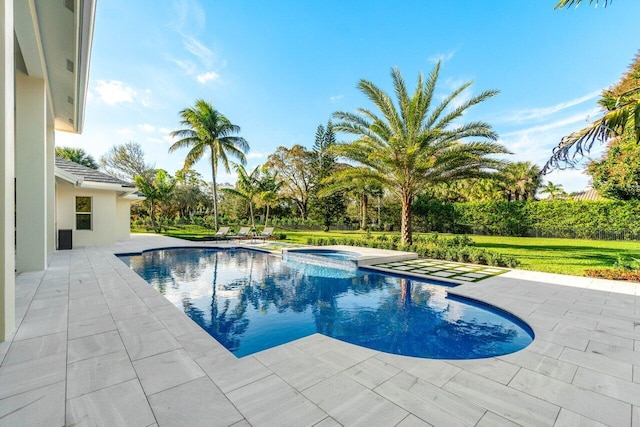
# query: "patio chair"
x,y
267,233
221,234
243,233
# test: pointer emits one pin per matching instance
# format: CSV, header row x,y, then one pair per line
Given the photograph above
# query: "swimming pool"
x,y
250,301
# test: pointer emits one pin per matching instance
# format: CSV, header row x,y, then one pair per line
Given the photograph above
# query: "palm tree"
x,y
77,155
416,144
209,131
569,3
270,186
554,191
621,104
521,180
247,188
156,190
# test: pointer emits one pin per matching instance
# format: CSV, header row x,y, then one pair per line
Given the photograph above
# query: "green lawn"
x,y
565,256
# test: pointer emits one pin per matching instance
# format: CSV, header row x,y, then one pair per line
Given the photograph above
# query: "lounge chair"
x,y
267,233
221,234
243,233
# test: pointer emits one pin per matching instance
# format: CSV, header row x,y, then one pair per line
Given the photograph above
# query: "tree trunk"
x,y
215,193
253,221
364,205
405,228
379,213
266,216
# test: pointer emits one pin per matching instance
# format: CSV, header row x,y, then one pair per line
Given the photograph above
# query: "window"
x,y
83,213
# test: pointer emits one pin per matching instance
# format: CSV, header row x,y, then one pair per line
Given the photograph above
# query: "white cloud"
x,y
255,155
125,132
442,57
336,98
199,50
532,114
158,140
146,127
576,118
208,76
113,91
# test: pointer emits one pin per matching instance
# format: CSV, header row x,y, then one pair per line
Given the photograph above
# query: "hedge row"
x,y
459,248
554,219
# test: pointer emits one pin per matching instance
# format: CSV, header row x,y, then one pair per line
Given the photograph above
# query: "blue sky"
x,y
279,69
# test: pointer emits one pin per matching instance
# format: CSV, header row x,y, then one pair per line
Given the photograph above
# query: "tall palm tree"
x,y
414,144
77,155
554,191
270,186
209,131
155,190
521,180
248,187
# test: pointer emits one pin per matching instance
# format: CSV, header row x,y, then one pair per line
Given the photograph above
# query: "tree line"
x,y
410,146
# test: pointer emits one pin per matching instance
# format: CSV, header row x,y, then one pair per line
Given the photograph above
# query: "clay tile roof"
x,y
587,195
88,174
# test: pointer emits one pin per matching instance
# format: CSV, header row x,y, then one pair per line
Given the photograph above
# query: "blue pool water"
x,y
326,253
250,301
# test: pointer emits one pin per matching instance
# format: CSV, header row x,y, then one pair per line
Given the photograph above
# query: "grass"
x,y
564,256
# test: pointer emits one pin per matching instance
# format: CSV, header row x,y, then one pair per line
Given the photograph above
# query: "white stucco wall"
x,y
109,215
123,217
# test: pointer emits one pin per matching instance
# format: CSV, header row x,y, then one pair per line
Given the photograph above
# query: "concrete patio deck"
x,y
96,345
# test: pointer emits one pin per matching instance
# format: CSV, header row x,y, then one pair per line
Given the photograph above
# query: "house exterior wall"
x,y
107,213
123,219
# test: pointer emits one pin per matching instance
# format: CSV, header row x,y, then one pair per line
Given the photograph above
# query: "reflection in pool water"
x,y
250,301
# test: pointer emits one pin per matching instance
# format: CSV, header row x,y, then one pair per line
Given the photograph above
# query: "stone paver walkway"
x,y
446,271
96,345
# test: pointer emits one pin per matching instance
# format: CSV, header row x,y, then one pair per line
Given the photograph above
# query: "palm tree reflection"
x,y
386,313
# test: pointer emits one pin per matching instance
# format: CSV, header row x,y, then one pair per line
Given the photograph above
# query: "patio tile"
x,y
199,344
122,312
303,371
492,420
40,407
150,343
94,345
430,403
36,348
49,302
598,363
93,374
166,370
41,322
635,416
607,385
352,404
571,419
196,403
542,364
412,421
230,373
95,325
504,401
492,368
327,422
272,402
372,372
31,375
436,372
123,405
139,325
584,402
614,352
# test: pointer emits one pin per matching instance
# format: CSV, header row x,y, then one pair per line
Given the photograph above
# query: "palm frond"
x,y
569,3
574,146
